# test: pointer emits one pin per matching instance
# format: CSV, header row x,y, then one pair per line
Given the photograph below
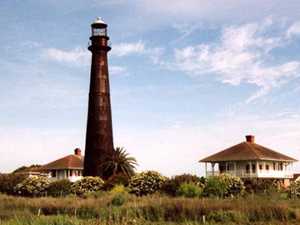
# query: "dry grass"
x,y
147,210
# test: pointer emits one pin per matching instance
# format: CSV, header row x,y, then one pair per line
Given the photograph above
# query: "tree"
x,y
120,162
24,169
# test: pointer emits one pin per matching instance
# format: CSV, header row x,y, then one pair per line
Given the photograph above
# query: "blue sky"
x,y
188,78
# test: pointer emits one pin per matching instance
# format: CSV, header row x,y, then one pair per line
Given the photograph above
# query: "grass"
x,y
155,209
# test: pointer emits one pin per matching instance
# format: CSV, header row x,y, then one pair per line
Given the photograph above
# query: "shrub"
x,y
119,189
223,186
59,188
118,200
261,186
33,186
87,184
234,185
294,189
214,187
8,182
171,186
118,179
189,190
146,183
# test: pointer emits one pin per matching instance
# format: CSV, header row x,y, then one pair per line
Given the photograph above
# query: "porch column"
x,y
257,168
235,169
205,169
250,169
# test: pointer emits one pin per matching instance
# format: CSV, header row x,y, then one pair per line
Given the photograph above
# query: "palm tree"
x,y
120,162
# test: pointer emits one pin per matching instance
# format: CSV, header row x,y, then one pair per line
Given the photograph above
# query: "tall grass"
x,y
147,210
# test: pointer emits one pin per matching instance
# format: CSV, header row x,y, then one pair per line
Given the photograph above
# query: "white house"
x,y
250,160
69,167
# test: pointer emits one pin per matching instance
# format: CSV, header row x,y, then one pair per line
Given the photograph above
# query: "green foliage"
x,y
254,210
120,162
234,185
118,200
223,186
214,187
59,188
171,186
33,186
119,189
118,179
261,186
189,190
87,184
146,183
27,168
294,189
8,182
225,216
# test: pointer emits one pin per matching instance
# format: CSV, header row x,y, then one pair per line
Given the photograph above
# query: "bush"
x,y
34,186
234,185
118,179
59,188
224,186
146,183
8,182
261,186
214,187
86,185
118,200
294,189
171,186
189,190
119,189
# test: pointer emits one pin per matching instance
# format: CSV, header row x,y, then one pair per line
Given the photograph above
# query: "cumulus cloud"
x,y
241,55
293,30
214,11
124,49
78,56
118,70
75,56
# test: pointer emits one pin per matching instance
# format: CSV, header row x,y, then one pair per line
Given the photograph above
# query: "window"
x,y
280,166
222,168
247,168
99,32
53,173
253,168
274,166
230,166
267,167
260,166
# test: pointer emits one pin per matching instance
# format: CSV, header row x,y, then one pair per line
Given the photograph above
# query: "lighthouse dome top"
x,y
99,23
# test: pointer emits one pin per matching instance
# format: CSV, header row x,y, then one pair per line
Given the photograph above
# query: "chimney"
x,y
250,138
77,151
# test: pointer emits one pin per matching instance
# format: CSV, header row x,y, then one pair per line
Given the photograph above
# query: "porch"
x,y
251,169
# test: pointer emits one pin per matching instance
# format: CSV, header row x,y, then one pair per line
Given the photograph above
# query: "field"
x,y
103,208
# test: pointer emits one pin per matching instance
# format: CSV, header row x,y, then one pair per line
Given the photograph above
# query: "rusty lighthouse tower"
x,y
99,134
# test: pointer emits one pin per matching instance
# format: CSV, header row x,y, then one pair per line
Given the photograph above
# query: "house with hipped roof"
x,y
250,160
69,167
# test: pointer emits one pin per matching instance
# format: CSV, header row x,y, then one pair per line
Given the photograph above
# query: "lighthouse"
x,y
99,135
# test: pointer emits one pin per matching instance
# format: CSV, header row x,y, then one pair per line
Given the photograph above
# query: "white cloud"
x,y
78,56
162,11
75,56
124,49
118,70
240,56
294,29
